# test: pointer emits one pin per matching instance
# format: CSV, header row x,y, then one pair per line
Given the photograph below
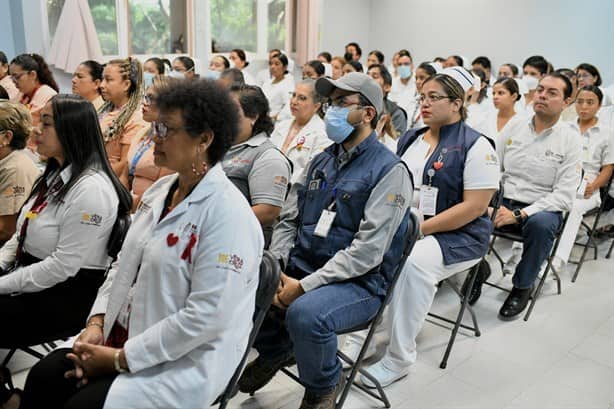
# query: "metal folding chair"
x,y
517,237
410,239
464,294
270,275
591,232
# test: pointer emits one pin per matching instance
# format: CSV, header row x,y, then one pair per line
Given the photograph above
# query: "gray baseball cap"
x,y
355,82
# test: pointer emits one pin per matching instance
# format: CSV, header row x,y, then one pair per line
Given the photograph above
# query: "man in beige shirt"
x,y
17,171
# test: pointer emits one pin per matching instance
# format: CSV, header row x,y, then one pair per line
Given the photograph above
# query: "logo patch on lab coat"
x,y
91,219
230,262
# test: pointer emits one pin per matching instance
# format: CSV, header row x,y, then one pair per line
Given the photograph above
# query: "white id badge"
x,y
581,189
428,200
326,221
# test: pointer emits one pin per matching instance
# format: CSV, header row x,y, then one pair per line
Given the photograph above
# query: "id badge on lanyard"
x,y
326,219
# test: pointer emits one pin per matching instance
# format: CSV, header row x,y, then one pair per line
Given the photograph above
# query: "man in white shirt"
x,y
541,172
403,90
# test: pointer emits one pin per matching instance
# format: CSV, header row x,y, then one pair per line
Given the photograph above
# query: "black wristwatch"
x,y
518,215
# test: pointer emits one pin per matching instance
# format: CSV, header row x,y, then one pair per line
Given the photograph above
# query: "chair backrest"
x,y
410,239
268,282
118,234
496,201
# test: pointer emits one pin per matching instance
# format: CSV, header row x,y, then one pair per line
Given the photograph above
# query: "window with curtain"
x,y
105,20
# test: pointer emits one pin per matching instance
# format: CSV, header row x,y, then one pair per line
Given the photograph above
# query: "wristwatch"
x,y
518,215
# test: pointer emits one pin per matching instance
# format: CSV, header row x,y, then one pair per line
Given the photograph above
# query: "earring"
x,y
204,168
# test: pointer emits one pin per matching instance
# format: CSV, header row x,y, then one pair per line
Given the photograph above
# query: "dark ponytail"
x,y
34,62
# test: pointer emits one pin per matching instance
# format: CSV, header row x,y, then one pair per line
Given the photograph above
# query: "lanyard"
x,y
37,207
143,147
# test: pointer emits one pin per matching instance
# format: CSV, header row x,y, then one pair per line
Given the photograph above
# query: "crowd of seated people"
x,y
215,167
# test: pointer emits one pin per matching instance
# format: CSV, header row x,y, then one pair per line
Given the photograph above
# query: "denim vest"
x,y
347,188
470,241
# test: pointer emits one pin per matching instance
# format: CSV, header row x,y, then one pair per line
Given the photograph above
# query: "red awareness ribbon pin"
x,y
187,253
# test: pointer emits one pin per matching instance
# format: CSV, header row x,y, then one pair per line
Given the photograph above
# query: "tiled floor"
x,y
563,357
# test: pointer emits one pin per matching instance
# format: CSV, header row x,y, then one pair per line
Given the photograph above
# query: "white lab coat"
x,y
189,322
310,141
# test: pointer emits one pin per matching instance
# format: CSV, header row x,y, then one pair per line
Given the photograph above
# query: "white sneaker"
x,y
351,349
384,375
558,264
510,265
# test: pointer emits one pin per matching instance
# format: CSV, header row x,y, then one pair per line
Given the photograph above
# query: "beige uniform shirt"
x,y
17,174
543,169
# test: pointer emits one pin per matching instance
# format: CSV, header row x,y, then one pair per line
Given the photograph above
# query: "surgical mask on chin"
x,y
148,78
177,75
404,71
213,74
337,126
530,81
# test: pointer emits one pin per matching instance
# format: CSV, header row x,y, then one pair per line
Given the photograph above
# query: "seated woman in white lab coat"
x,y
304,136
53,266
172,321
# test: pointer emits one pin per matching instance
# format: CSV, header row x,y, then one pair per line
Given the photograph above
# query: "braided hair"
x,y
130,69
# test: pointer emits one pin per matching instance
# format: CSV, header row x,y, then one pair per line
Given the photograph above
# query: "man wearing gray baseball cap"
x,y
340,239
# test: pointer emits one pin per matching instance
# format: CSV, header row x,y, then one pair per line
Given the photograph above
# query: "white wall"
x,y
344,21
7,43
565,32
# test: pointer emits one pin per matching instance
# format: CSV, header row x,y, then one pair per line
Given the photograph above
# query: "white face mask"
x,y
530,81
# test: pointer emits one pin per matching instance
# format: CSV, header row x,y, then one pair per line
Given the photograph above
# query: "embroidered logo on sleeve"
x,y
229,262
492,159
91,219
280,180
395,199
14,191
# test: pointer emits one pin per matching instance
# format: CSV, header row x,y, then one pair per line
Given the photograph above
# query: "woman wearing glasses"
x,y
455,172
120,116
172,321
35,83
141,171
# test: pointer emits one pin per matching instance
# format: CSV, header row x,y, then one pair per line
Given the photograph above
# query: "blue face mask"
x,y
337,126
404,71
176,74
148,78
213,75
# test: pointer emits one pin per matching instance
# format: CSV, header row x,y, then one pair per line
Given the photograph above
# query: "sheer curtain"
x,y
75,39
307,29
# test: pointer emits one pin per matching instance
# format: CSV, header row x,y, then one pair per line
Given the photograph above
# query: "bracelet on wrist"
x,y
118,367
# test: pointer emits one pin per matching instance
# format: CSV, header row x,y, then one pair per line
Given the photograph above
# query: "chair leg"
x,y
7,358
610,250
381,395
583,256
459,318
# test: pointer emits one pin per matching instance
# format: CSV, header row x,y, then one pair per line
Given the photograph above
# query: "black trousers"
x,y
57,312
46,386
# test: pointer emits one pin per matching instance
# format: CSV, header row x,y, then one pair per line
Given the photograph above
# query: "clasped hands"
x,y
90,357
289,289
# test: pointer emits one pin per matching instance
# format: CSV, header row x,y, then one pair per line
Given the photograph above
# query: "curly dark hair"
x,y
205,107
255,106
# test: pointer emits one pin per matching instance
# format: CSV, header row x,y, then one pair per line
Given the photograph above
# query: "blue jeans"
x,y
538,233
309,331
